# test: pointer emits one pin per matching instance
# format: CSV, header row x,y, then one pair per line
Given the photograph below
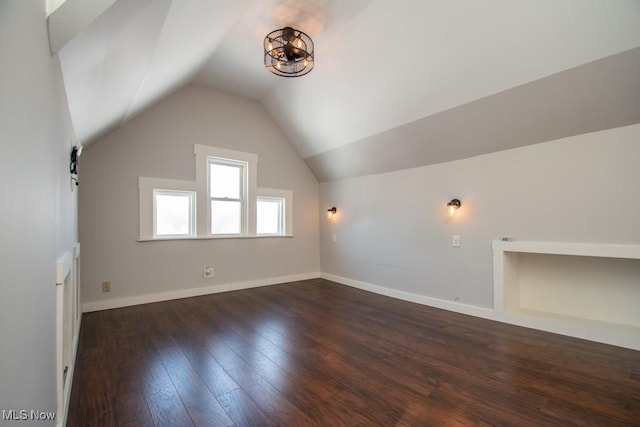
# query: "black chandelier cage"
x,y
288,52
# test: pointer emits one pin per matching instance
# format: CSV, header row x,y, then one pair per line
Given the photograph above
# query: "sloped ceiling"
x,y
397,83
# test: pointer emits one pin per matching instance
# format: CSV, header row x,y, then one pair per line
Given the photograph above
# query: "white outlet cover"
x,y
456,241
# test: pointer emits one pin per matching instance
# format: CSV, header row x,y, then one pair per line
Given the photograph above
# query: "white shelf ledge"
x,y
575,249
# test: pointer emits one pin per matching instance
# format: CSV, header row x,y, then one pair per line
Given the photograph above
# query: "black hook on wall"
x,y
73,165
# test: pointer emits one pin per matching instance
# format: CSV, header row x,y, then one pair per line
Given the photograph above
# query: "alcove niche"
x,y
589,291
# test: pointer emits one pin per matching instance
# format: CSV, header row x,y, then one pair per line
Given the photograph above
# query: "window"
x,y
274,212
224,201
173,213
227,190
270,215
167,208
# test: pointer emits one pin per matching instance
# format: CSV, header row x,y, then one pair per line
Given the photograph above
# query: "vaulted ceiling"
x,y
396,84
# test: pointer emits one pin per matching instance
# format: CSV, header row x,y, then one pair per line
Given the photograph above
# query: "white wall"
x,y
38,221
159,143
393,230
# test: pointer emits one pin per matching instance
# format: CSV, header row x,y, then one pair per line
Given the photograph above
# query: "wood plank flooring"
x,y
318,353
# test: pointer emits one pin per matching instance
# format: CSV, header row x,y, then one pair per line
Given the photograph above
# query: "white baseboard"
x,y
192,292
472,310
606,333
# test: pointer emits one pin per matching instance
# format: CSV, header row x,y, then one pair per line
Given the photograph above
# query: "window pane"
x,y
173,214
269,216
226,217
225,181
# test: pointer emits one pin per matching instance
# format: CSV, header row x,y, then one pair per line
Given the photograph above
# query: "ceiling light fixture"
x,y
288,52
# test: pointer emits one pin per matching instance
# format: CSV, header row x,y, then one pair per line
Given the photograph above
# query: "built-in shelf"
x,y
575,249
590,291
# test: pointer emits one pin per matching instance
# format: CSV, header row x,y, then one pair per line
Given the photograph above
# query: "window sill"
x,y
165,239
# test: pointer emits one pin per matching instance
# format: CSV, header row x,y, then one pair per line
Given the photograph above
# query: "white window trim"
x,y
280,203
203,153
192,213
287,195
244,195
146,185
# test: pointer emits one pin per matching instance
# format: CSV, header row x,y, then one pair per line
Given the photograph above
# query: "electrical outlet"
x,y
334,238
106,287
208,272
456,241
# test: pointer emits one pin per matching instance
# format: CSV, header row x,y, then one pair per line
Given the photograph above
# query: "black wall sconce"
x,y
453,206
331,212
73,165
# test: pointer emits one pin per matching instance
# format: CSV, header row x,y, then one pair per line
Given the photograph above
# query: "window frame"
x,y
287,210
146,187
281,214
203,154
201,201
191,196
243,196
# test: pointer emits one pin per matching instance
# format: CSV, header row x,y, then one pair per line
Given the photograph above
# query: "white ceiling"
x,y
380,64
237,65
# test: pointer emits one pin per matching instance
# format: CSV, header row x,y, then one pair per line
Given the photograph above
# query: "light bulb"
x,y
453,206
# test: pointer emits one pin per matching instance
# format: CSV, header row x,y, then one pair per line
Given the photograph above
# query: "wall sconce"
x,y
331,212
454,205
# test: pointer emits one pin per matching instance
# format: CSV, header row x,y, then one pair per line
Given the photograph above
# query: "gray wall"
x,y
393,230
599,95
38,220
159,143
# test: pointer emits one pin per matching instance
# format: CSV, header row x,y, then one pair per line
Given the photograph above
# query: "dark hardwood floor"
x,y
318,353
